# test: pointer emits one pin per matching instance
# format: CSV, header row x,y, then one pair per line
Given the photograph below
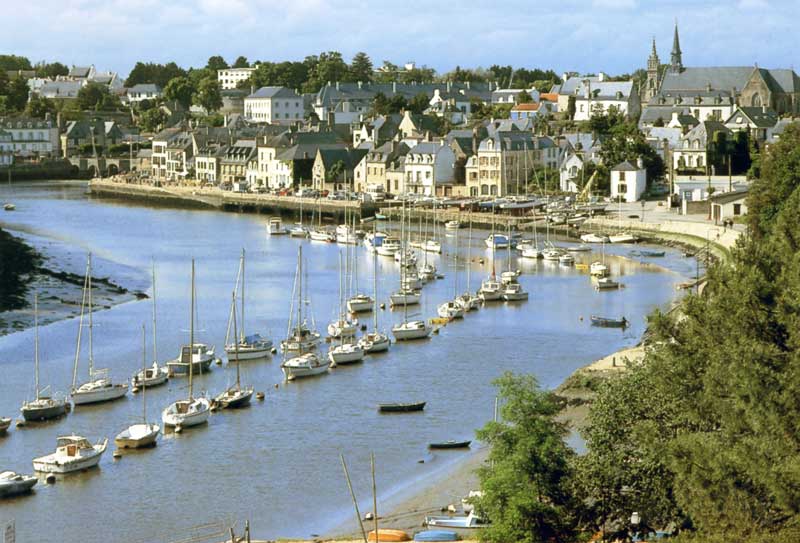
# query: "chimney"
x,y
764,108
601,76
448,85
331,119
674,117
467,84
475,141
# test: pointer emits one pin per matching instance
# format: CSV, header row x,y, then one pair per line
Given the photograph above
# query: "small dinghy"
x,y
609,323
14,484
450,445
401,407
436,535
385,534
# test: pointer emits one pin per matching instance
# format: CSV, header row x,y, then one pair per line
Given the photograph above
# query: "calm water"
x,y
277,462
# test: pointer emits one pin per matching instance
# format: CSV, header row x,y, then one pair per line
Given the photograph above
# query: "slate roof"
x,y
625,167
729,77
145,88
756,115
79,71
332,95
728,197
606,89
60,89
274,92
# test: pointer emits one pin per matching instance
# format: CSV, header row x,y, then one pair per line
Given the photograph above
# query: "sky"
x,y
613,36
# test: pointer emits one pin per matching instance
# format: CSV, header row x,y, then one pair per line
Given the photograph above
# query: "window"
x,y
737,209
622,176
622,188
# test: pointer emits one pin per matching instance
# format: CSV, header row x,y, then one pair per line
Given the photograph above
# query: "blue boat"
x,y
436,535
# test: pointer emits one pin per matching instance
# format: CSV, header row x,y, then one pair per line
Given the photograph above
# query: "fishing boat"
x,y
452,225
143,434
436,535
566,259
451,444
345,353
305,365
237,395
99,387
43,407
411,330
248,347
375,341
15,484
73,453
605,283
594,238
388,247
191,411
401,407
513,292
609,323
200,355
275,227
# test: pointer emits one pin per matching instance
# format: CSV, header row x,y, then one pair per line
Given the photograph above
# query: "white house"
x,y
569,172
428,164
274,105
510,96
32,137
6,148
598,97
143,91
628,181
229,78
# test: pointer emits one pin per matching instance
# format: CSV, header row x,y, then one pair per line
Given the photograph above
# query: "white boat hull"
x,y
345,354
246,352
138,436
375,343
360,305
405,332
196,415
105,394
307,365
52,464
404,298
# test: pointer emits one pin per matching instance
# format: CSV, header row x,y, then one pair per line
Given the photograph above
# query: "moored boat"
x,y
411,330
608,322
275,227
14,484
346,353
451,444
606,283
150,377
594,238
452,225
5,422
491,290
200,355
513,292
73,453
306,365
401,407
138,436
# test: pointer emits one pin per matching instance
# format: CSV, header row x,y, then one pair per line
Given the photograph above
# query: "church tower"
x,y
653,79
675,61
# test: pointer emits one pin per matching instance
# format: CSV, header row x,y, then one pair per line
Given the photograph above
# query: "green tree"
x,y
361,68
419,103
50,69
208,95
14,63
181,90
152,120
527,482
216,62
571,109
524,97
241,62
39,107
17,93
624,141
91,95
160,74
3,82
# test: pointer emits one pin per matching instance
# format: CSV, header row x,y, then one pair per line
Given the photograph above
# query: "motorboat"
x,y
551,254
251,347
298,231
319,234
15,484
470,521
43,406
346,353
598,269
411,330
360,303
200,355
99,387
513,292
190,411
623,237
452,225
73,453
373,240
138,436
566,259
531,252
405,296
388,247
509,276
151,377
491,290
605,283
582,248
275,227
497,241
594,238
305,365
401,407
374,342
451,310
342,327
606,322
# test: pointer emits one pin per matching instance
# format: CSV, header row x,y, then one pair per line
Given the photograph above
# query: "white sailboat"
x,y
195,356
43,407
142,434
246,347
298,230
342,326
374,341
599,269
453,309
237,395
621,236
432,245
512,290
191,411
358,302
154,375
417,329
406,295
73,453
9,206
468,300
99,387
491,290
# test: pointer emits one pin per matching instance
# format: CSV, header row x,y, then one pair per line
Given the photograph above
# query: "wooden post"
x,y
374,497
355,503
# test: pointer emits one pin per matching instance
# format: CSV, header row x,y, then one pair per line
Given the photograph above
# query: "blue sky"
x,y
581,35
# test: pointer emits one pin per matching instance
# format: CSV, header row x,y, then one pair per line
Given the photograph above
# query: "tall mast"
x,y
375,283
80,329
36,340
155,353
236,344
91,352
469,253
300,286
191,337
234,318
144,374
509,244
455,269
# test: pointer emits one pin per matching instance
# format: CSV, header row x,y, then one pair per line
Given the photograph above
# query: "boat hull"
x,y
106,394
342,357
138,436
236,399
450,445
49,464
246,352
404,299
405,333
401,407
360,305
372,344
33,413
17,488
158,378
181,368
197,416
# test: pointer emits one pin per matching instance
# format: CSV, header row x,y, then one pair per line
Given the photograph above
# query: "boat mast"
x,y
242,264
469,253
236,344
403,292
375,283
36,341
509,244
300,286
144,374
91,351
155,354
80,330
191,338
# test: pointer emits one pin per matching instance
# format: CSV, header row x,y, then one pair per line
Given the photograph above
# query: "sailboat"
x,y
99,387
491,289
358,302
8,206
319,233
599,268
417,329
468,300
44,407
406,295
237,395
509,275
143,434
512,290
154,375
453,309
432,245
246,347
342,326
301,339
191,411
298,230
374,341
532,250
621,236
195,356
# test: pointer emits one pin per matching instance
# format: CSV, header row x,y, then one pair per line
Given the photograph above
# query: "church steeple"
x,y
653,75
676,63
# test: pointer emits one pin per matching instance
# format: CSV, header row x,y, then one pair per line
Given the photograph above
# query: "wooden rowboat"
x,y
388,535
450,445
400,407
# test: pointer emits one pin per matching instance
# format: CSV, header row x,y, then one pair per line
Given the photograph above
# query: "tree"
x,y
14,63
527,482
3,82
51,70
208,95
154,73
624,141
571,109
419,103
361,68
152,120
39,107
17,93
181,90
241,62
216,63
524,97
91,95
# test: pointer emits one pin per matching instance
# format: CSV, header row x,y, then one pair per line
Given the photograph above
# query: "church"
x,y
713,93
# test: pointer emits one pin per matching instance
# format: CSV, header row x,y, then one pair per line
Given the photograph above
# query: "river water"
x,y
277,462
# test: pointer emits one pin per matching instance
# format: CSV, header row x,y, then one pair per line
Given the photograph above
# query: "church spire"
x,y
676,63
